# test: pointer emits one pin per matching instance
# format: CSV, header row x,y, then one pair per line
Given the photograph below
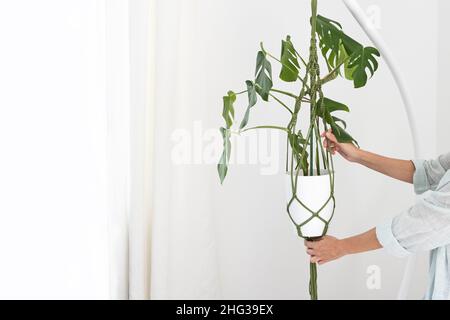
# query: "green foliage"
x,y
252,99
298,144
228,108
340,49
290,66
330,36
222,166
328,105
326,108
343,55
228,116
263,75
364,58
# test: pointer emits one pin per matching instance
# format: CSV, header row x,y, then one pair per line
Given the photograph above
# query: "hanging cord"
x,y
315,88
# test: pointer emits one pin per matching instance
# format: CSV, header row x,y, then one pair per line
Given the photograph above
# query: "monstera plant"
x,y
309,167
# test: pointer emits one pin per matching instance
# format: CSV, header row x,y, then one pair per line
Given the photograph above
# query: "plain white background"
x,y
55,151
53,185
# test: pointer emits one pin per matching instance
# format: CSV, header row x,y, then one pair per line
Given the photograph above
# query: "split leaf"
x,y
331,106
338,48
341,135
222,166
263,75
252,99
336,119
290,66
297,143
361,61
228,108
326,108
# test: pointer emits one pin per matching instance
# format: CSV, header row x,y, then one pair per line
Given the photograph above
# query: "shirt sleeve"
x,y
429,173
423,227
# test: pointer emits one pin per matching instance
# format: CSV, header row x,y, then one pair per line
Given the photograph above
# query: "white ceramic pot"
x,y
313,192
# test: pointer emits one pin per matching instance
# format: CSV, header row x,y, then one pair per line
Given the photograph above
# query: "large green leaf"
x,y
222,166
336,119
290,66
228,108
362,60
252,99
341,135
330,35
326,108
331,106
344,59
338,48
263,75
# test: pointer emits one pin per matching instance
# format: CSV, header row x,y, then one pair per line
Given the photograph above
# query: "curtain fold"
x,y
129,92
117,91
141,145
184,262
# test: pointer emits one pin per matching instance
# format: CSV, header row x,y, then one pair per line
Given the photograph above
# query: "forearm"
x,y
398,169
361,243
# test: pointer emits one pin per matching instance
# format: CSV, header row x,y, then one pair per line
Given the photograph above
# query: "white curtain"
x,y
130,127
162,240
116,35
184,251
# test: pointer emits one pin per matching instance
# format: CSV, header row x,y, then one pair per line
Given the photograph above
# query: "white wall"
x,y
260,257
443,111
53,208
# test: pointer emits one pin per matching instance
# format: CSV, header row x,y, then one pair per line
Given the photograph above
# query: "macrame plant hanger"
x,y
313,136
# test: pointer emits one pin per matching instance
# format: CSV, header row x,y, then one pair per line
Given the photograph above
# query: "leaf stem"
x,y
279,61
285,93
333,73
278,100
290,95
301,58
282,103
264,127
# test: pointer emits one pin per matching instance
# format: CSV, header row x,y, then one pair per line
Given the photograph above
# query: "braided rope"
x,y
315,89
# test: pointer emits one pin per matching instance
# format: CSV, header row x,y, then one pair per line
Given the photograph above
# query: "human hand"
x,y
347,150
325,250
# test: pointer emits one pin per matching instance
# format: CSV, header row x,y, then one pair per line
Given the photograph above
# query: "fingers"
x,y
314,260
312,251
310,244
330,136
315,257
323,134
330,146
330,142
318,261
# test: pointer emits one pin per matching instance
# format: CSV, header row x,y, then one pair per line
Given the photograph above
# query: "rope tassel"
x,y
313,281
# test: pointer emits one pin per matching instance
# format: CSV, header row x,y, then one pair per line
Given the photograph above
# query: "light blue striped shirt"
x,y
426,225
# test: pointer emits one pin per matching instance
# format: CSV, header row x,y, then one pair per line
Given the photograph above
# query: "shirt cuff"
x,y
389,242
420,177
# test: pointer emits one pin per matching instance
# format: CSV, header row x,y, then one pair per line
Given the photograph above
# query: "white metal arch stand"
x,y
375,37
